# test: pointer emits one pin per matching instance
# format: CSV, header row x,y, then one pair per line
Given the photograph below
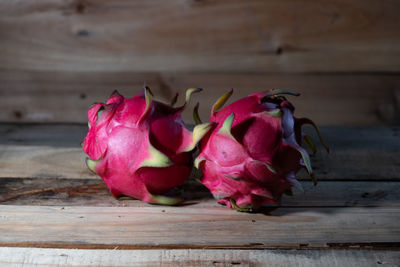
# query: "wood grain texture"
x,y
196,227
53,150
335,99
93,192
43,161
195,258
217,36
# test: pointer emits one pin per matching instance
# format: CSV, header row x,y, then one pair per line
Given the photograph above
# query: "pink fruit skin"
x,y
251,156
139,147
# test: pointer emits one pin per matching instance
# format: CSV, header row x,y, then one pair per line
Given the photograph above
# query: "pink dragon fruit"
x,y
251,156
140,147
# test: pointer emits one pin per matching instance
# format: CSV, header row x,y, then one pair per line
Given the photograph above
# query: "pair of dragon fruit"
x,y
249,153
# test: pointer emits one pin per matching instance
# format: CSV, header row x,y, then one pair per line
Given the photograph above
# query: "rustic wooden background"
x,y
59,56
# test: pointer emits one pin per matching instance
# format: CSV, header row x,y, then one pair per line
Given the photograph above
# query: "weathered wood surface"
x,y
188,257
333,99
235,36
93,192
58,57
53,150
43,206
197,227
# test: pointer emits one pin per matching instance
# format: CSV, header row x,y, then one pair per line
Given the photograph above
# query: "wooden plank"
x,y
29,96
187,257
359,153
197,227
93,192
327,99
236,36
43,161
46,150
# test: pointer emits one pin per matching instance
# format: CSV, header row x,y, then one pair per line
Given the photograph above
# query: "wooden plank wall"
x,y
59,56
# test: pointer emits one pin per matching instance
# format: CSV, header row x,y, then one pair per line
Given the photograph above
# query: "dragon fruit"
x,y
251,156
141,147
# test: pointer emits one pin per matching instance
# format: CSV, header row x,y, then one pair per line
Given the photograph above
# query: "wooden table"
x,y
54,211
